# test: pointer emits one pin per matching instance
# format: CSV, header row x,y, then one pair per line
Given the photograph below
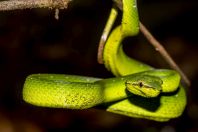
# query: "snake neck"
x,y
114,89
116,61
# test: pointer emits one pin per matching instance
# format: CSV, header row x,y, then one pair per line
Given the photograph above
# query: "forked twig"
x,y
156,44
60,4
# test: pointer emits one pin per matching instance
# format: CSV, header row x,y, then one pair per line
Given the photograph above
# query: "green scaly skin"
x,y
169,105
114,58
79,92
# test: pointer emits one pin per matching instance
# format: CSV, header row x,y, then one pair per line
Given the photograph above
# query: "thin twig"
x,y
25,4
107,29
163,52
105,34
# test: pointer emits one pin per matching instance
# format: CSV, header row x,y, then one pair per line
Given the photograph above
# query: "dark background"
x,y
33,41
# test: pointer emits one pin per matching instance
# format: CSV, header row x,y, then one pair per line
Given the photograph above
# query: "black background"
x,y
33,41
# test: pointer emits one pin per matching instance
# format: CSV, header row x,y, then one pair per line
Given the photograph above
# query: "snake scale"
x,y
139,90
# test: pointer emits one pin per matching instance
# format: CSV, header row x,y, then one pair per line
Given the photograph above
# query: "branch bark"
x,y
25,4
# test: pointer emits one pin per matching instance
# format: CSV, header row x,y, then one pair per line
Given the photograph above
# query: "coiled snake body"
x,y
138,91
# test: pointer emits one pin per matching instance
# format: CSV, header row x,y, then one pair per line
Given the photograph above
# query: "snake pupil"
x,y
141,84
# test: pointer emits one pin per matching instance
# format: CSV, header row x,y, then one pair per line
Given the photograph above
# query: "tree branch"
x,y
24,4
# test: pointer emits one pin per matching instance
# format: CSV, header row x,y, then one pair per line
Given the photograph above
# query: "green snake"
x,y
138,90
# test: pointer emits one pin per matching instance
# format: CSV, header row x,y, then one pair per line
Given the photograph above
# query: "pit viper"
x,y
138,90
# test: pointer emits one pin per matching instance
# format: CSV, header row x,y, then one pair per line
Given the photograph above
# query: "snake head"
x,y
145,86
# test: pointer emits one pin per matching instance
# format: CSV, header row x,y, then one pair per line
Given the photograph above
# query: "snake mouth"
x,y
141,92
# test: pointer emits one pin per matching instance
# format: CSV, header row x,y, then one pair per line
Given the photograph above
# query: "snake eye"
x,y
141,84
